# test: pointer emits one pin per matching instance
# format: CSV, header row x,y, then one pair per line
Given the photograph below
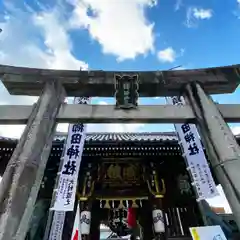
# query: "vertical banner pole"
x,y
192,150
66,183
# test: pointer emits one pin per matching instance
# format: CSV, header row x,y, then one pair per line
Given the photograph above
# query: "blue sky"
x,y
118,35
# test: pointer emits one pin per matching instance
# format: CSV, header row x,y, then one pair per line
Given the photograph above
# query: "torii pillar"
x,y
23,175
220,143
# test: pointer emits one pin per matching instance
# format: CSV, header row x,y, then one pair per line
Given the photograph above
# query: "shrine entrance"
x,y
120,185
135,175
105,187
136,186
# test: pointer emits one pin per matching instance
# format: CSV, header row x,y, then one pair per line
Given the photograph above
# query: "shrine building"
x,y
117,168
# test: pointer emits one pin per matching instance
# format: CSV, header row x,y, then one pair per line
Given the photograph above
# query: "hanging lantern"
x,y
131,217
85,222
158,221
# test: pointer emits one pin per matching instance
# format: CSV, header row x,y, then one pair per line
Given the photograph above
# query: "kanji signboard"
x,y
126,91
71,163
195,156
57,226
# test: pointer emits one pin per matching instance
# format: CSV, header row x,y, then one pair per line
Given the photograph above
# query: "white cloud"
x,y
236,130
195,14
114,127
120,27
11,131
167,55
182,51
178,5
15,131
108,127
33,39
220,201
201,13
43,42
102,103
57,41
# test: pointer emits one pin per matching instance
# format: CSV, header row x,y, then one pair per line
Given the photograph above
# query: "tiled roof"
x,y
129,137
112,137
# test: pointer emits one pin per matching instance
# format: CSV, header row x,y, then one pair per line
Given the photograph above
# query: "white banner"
x,y
67,185
193,152
57,226
207,233
76,233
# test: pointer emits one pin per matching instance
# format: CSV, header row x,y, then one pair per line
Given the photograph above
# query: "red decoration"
x,y
131,218
75,235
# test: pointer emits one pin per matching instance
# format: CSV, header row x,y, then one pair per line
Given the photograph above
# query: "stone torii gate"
x,y
23,175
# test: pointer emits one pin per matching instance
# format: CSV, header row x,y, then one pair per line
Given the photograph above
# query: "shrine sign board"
x,y
207,233
122,174
57,225
126,91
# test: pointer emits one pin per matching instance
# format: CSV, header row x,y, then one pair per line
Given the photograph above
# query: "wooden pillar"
x,y
22,178
220,143
146,220
95,220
